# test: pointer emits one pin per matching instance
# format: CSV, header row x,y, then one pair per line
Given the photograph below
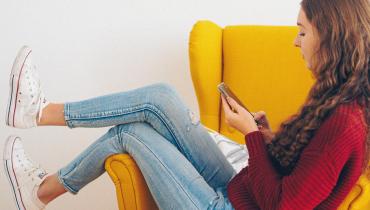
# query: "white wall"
x,y
88,48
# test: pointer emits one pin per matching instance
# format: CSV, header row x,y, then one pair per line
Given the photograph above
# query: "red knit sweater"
x,y
328,168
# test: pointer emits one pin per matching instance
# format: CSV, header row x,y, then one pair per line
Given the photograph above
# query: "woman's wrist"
x,y
250,130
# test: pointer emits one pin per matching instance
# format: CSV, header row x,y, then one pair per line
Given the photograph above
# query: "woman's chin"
x,y
308,65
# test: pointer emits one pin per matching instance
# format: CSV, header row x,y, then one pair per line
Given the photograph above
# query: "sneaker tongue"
x,y
42,175
42,103
39,174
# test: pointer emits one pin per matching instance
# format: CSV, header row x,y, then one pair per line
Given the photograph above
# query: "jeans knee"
x,y
166,98
120,128
164,93
164,89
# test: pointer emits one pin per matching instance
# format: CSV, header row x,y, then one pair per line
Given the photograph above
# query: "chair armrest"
x,y
131,189
205,54
358,198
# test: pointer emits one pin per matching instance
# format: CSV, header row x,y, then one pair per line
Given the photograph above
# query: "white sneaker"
x,y
24,176
236,154
26,98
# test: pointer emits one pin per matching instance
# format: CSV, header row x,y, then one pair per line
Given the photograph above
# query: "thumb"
x,y
258,115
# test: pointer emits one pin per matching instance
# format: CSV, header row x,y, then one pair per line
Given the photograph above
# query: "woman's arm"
x,y
313,178
239,195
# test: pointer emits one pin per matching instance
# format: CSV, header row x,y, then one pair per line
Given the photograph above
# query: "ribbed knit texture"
x,y
328,168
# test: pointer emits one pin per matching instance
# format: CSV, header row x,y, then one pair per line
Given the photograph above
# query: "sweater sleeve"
x,y
240,192
239,195
311,181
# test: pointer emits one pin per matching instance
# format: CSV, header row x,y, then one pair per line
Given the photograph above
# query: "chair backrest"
x,y
264,69
259,63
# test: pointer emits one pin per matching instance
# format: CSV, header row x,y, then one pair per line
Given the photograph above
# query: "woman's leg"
x,y
172,179
53,114
160,106
50,189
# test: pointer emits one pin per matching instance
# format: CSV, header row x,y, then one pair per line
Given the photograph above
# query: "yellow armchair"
x,y
262,66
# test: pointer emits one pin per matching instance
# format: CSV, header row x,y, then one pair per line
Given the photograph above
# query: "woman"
x,y
313,160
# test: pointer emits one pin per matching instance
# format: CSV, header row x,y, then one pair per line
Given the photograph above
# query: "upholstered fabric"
x,y
131,189
261,65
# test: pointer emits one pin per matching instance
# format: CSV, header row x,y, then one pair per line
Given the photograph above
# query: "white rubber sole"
x,y
8,166
15,75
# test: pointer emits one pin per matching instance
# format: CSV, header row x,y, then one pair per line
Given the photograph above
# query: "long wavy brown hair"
x,y
341,69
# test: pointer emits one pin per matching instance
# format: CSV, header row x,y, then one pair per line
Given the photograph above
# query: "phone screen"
x,y
226,92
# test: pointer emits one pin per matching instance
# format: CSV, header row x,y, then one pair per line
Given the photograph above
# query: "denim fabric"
x,y
182,165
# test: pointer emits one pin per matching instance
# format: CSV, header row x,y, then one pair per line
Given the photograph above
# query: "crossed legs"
x,y
200,167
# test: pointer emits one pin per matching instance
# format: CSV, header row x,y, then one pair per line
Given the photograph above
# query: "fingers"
x,y
258,115
225,105
233,104
262,119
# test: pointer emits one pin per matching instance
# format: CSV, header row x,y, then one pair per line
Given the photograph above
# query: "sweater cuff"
x,y
255,143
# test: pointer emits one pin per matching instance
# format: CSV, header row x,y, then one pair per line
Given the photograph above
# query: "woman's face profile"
x,y
306,38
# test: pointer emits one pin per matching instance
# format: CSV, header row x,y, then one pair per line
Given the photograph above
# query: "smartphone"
x,y
226,92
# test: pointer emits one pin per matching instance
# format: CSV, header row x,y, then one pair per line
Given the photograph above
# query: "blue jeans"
x,y
182,165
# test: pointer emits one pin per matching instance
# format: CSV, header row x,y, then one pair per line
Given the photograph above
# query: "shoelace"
x,y
41,103
32,168
40,106
30,173
41,97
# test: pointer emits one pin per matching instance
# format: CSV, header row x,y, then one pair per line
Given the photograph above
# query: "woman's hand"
x,y
264,126
237,117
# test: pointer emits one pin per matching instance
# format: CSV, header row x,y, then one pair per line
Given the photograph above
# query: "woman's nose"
x,y
296,42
